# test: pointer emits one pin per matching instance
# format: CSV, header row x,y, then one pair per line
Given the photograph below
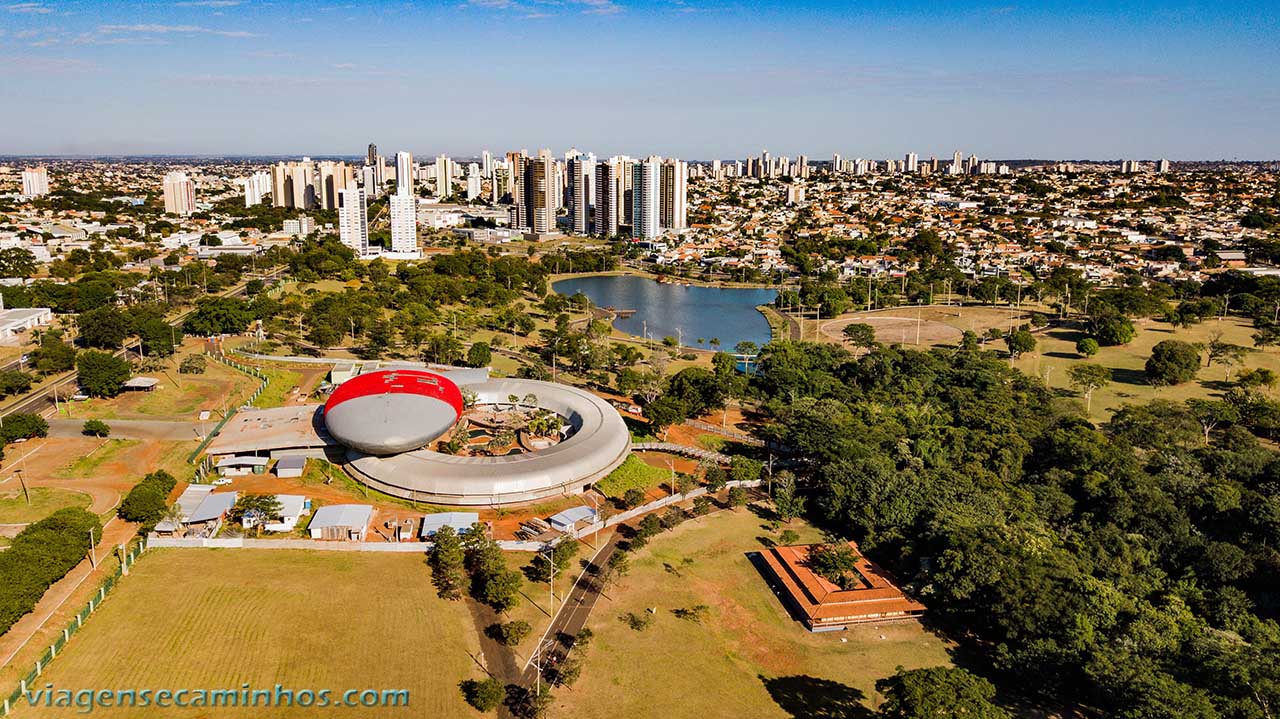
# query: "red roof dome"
x,y
392,411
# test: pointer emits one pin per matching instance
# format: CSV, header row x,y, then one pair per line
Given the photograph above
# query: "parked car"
x,y
221,481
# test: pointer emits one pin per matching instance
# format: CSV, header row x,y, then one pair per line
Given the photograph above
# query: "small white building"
x,y
459,521
291,466
292,508
239,466
341,522
15,321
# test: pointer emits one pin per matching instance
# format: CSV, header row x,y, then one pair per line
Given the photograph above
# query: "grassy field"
x,y
307,620
759,661
44,501
632,473
179,396
1056,352
109,451
280,383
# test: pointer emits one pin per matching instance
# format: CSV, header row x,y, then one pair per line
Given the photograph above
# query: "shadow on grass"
x,y
1062,355
1122,375
806,697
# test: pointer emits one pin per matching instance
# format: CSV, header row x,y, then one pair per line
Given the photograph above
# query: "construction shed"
x,y
341,522
458,520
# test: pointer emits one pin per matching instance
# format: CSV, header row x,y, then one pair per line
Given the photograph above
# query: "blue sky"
x,y
691,78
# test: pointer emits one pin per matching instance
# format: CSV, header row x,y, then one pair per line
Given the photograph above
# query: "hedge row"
x,y
40,555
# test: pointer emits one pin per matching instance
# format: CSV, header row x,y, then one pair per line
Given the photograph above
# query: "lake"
x,y
668,309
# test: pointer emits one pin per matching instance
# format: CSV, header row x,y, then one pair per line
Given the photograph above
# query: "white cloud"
x,y
599,7
155,29
25,64
30,8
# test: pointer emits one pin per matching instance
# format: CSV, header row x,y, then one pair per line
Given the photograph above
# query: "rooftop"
x,y
824,604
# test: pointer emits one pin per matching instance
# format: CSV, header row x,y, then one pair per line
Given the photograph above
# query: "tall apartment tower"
x,y
486,165
444,176
673,207
404,223
912,163
256,186
837,163
1162,166
606,217
333,177
372,157
35,181
179,194
646,198
582,178
535,192
353,219
404,173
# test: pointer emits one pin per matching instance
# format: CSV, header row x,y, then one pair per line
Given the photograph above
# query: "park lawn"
x,y
747,658
1056,352
209,618
632,473
44,501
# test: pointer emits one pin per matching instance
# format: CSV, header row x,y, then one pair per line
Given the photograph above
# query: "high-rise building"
x,y
473,186
795,193
333,177
293,184
765,167
444,176
673,207
486,165
646,198
404,223
535,192
179,194
500,185
353,219
582,178
256,186
1162,166
35,181
606,217
372,157
912,162
837,163
404,173
369,180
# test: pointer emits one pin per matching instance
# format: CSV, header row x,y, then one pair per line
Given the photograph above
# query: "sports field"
x,y
926,326
747,658
214,619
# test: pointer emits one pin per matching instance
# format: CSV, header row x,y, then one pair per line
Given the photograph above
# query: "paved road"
x,y
168,430
576,608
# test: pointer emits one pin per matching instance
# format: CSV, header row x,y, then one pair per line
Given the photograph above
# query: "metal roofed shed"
x,y
242,465
291,466
458,520
140,384
213,508
565,521
190,498
344,522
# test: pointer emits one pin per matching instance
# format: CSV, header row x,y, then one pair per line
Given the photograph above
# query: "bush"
x,y
96,428
195,364
638,622
40,555
737,497
633,497
22,425
485,695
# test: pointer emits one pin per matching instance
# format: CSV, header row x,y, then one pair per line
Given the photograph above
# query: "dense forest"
x,y
1130,570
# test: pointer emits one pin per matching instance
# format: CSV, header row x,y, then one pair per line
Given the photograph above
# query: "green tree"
x,y
938,693
218,316
479,355
101,374
104,328
53,355
737,497
255,509
96,428
1020,342
484,695
1086,378
1087,347
633,497
1173,362
447,557
860,335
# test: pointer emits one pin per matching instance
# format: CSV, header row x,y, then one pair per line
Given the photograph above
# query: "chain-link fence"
x,y
127,560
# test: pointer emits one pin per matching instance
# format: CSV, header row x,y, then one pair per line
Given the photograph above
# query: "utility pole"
x,y
22,481
93,554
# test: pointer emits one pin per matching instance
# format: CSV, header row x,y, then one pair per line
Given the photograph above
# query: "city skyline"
x,y
1039,80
